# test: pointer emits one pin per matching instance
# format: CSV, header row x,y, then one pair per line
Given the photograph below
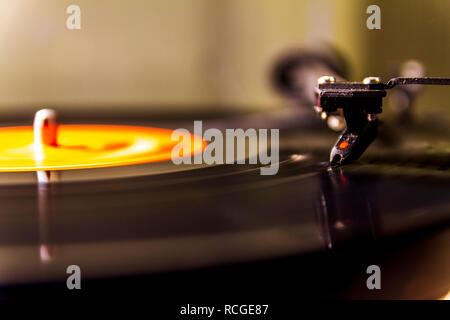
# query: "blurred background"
x,y
203,54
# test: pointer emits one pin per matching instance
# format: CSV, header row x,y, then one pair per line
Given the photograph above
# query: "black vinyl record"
x,y
159,217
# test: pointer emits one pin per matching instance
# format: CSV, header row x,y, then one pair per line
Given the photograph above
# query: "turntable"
x,y
107,196
109,199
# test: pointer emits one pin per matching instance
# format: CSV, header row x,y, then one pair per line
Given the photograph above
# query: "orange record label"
x,y
88,146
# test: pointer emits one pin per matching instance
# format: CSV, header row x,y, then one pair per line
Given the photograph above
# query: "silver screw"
x,y
336,122
371,80
317,109
326,79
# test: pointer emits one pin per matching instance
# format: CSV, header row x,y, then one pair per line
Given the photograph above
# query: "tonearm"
x,y
360,103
